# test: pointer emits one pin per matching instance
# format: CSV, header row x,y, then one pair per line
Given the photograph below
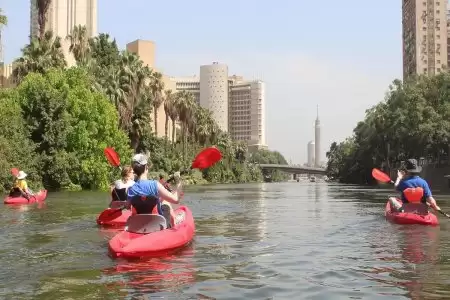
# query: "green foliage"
x,y
413,121
16,149
70,126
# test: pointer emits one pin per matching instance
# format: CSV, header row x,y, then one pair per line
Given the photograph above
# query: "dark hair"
x,y
138,168
161,176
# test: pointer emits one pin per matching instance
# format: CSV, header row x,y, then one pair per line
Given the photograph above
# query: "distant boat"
x,y
312,179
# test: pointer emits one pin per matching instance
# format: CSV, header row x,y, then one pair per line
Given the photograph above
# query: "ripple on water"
x,y
253,241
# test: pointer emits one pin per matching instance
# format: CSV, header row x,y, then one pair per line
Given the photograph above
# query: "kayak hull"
x,y
135,245
120,221
409,218
39,197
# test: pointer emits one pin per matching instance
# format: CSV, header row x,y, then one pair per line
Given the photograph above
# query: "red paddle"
x,y
14,172
112,157
205,159
380,176
383,177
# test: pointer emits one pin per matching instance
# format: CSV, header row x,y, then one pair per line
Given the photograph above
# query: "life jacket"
x,y
148,205
119,194
414,195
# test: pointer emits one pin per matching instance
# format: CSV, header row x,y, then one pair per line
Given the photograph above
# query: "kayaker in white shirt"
x,y
120,187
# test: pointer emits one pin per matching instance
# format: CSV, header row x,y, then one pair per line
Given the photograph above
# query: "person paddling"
x,y
412,187
120,187
20,187
145,196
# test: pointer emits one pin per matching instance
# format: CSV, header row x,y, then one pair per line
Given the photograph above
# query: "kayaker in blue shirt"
x,y
146,195
412,187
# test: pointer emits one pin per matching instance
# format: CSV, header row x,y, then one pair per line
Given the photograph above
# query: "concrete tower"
x,y
317,140
214,92
311,150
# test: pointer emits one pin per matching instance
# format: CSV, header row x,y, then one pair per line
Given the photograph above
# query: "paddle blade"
x,y
380,176
112,156
206,158
14,172
109,215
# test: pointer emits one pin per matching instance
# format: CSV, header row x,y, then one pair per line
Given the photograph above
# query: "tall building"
x,y
146,52
247,111
214,92
424,37
310,152
63,16
317,140
190,84
245,100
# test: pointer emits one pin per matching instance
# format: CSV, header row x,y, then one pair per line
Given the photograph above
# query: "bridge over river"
x,y
293,169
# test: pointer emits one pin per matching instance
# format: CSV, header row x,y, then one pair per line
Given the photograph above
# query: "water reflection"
x,y
241,214
408,257
156,275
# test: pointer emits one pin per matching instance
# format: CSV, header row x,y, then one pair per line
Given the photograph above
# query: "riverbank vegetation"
x,y
56,122
413,121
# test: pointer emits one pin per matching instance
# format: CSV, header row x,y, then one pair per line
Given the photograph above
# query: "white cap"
x,y
21,175
140,159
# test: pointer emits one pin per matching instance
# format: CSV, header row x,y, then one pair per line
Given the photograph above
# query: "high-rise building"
x,y
63,16
247,111
317,140
190,84
424,37
310,152
214,92
245,100
146,52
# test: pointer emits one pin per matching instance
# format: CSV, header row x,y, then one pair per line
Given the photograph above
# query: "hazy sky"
x,y
341,55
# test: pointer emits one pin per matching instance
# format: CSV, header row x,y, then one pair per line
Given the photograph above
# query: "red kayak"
x,y
39,197
158,242
121,218
410,217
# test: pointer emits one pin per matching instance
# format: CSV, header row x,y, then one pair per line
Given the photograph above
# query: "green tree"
x,y
16,149
40,55
70,126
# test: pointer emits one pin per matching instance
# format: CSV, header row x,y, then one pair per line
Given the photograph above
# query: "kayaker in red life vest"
x,y
146,195
413,188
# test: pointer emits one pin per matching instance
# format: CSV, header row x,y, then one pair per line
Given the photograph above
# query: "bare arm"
x,y
432,202
173,197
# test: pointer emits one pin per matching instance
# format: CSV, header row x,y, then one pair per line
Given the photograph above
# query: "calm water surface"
x,y
253,241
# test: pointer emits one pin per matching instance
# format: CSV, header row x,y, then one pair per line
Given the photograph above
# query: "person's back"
x,y
412,182
413,188
145,196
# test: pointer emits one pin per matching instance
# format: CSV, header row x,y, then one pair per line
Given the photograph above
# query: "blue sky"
x,y
341,55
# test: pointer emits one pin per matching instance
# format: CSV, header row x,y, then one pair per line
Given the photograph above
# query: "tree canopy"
x,y
412,122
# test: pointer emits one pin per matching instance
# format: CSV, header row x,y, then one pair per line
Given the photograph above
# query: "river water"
x,y
253,241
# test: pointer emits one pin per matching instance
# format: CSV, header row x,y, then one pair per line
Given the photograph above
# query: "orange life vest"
x,y
413,195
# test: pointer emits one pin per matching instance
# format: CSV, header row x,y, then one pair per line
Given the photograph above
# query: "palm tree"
x,y
42,7
157,88
39,56
168,105
3,22
79,44
185,106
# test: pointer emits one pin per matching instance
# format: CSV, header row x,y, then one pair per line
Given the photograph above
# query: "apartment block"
x,y
240,101
425,37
